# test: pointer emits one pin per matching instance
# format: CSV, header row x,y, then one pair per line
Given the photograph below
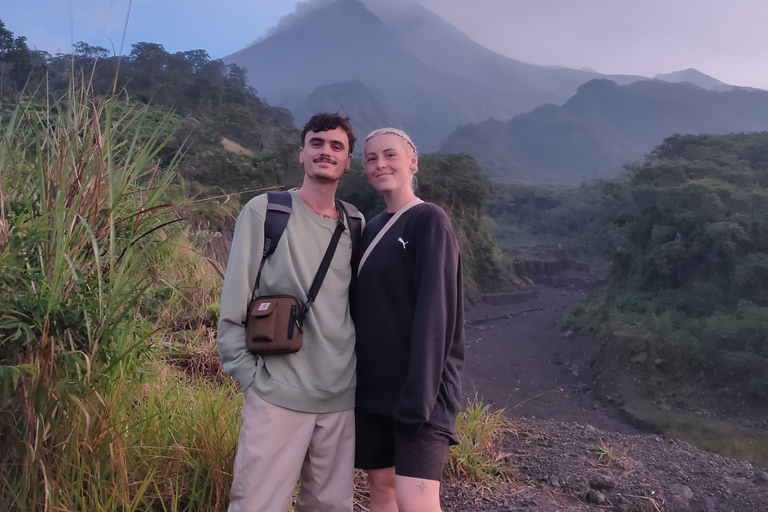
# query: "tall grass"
x,y
155,441
185,283
82,199
86,421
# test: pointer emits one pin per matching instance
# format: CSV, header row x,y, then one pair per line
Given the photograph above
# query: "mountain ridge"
x,y
603,127
695,77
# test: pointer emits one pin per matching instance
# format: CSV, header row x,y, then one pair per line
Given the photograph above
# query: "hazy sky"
x,y
727,39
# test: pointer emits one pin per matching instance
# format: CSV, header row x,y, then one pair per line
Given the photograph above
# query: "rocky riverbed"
x,y
573,444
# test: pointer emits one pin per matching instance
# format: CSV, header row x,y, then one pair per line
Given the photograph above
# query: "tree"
x,y
698,222
16,62
87,51
236,77
6,40
197,58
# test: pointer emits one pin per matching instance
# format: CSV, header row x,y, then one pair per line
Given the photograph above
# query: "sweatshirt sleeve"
x,y
243,265
437,296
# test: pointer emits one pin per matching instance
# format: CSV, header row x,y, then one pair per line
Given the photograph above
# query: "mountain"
x,y
695,77
344,42
602,127
437,43
403,65
353,98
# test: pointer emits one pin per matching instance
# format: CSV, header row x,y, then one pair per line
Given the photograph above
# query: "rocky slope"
x,y
569,467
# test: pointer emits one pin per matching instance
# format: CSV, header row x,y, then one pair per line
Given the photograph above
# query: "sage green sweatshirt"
x,y
320,378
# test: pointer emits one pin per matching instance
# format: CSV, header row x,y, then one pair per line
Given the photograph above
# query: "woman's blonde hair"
x,y
396,132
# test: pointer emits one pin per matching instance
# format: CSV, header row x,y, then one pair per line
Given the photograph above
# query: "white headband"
x,y
393,131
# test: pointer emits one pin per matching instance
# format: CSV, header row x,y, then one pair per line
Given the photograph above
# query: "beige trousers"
x,y
277,446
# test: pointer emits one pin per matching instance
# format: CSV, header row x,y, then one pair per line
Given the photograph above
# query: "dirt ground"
x,y
568,450
525,364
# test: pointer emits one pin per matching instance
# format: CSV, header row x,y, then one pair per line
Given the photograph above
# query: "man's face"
x,y
325,155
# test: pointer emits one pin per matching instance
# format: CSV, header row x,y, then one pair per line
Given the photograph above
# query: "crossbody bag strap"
x,y
386,227
324,265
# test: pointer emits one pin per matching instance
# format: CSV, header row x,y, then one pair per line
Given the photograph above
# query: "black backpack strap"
x,y
278,211
354,221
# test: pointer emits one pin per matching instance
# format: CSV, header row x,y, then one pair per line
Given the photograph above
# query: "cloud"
x,y
286,21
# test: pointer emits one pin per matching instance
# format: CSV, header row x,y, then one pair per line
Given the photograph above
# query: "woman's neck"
x,y
396,199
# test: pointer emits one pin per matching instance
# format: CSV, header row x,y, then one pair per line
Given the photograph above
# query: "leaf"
x,y
9,322
10,375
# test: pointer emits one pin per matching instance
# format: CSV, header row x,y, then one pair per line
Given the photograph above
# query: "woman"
x,y
410,335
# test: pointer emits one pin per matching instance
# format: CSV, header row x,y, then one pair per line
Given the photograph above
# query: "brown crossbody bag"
x,y
274,324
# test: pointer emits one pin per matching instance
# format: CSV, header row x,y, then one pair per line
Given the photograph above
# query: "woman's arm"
x,y
437,283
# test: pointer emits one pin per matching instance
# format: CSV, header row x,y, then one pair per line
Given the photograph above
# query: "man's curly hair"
x,y
329,121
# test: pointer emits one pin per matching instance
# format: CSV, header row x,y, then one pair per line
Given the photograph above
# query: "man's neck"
x,y
319,196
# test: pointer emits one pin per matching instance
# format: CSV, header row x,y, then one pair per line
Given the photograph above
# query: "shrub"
x,y
477,456
744,328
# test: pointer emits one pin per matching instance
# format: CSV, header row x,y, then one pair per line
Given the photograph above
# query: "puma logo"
x,y
403,242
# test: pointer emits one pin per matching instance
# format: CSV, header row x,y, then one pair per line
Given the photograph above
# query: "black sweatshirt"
x,y
409,320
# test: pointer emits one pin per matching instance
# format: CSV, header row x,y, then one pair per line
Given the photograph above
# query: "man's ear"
x,y
301,155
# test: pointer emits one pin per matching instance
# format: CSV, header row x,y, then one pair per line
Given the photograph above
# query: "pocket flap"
x,y
263,307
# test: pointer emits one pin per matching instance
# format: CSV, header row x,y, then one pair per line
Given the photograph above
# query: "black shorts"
x,y
417,453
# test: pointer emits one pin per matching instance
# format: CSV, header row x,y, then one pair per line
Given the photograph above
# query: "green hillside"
x,y
212,101
687,234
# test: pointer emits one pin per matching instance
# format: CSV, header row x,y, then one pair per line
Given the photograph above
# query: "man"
x,y
298,417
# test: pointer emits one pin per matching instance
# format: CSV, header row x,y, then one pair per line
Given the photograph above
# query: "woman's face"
x,y
389,163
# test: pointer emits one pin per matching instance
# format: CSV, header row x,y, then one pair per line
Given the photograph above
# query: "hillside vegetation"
x,y
212,102
690,254
687,234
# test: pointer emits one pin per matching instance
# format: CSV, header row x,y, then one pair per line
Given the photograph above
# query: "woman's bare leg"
x,y
417,494
382,485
